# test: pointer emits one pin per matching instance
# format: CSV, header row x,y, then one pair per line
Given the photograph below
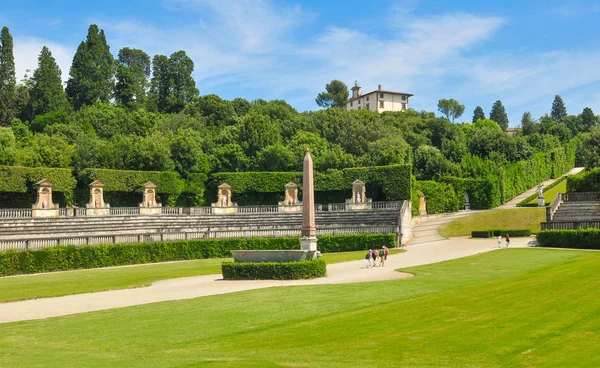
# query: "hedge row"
x,y
480,191
167,182
585,181
18,179
492,233
274,270
441,197
65,258
577,239
393,181
525,202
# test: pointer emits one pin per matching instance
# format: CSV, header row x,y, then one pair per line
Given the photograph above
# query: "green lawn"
x,y
506,308
552,192
514,218
85,281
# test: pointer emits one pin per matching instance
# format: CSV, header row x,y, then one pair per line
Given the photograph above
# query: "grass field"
x,y
85,281
552,192
507,308
514,218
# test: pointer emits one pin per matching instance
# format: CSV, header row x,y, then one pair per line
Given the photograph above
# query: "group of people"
x,y
373,255
500,240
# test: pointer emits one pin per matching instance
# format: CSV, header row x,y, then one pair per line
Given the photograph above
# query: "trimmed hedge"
x,y
492,233
480,191
64,258
392,181
525,202
585,181
18,179
576,239
440,197
274,270
167,182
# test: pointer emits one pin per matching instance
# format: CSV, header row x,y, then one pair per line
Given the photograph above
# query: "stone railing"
x,y
555,225
581,197
133,211
15,212
551,209
79,241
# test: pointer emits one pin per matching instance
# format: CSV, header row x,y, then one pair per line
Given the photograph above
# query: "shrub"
x,y
274,270
577,239
513,233
63,258
481,234
585,181
440,197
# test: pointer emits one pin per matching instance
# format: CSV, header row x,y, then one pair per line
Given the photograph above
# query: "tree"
x,y
478,114
257,132
335,95
588,119
8,146
528,124
133,71
92,71
172,85
559,111
7,77
589,151
498,114
451,108
47,93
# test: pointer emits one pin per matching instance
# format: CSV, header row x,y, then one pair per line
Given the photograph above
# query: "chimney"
x,y
380,87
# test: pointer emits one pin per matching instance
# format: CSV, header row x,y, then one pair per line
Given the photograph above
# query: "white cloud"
x,y
26,52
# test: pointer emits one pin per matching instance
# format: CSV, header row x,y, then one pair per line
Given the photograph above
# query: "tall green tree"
x,y
47,93
451,108
498,114
92,72
588,119
335,95
172,86
7,77
559,111
528,124
132,75
478,114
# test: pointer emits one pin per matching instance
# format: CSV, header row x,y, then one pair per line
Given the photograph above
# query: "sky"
x,y
520,52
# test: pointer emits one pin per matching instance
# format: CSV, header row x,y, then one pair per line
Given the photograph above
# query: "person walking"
x,y
507,240
499,241
382,257
369,257
374,256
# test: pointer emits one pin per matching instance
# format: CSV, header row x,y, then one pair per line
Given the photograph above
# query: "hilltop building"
x,y
379,100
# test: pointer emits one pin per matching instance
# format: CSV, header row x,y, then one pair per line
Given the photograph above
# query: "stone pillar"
x,y
291,202
308,241
422,206
44,207
359,200
150,206
97,207
224,204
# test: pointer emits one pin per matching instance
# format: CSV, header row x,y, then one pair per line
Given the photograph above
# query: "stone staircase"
x,y
577,212
427,230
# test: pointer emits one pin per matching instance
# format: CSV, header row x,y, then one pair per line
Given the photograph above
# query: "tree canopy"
x,y
498,114
335,95
559,111
451,108
7,77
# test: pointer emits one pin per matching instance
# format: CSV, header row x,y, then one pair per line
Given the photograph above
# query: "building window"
x,y
403,106
367,105
359,102
367,98
351,104
403,98
381,95
381,104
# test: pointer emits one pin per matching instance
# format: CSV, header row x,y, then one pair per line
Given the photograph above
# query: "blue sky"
x,y
521,52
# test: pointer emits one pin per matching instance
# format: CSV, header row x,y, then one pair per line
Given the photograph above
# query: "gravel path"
x,y
198,286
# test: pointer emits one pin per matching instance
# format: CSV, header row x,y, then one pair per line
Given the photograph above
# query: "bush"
x,y
585,181
274,270
17,179
481,234
440,197
63,258
576,239
490,233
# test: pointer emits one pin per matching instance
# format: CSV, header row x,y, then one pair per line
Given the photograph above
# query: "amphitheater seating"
x,y
577,211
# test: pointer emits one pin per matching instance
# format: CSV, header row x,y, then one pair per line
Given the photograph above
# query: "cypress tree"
x,y
559,111
7,77
478,114
498,114
47,93
92,71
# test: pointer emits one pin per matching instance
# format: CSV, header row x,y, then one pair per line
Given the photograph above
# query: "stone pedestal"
x,y
422,206
149,206
96,206
291,204
541,202
44,207
308,243
359,200
224,205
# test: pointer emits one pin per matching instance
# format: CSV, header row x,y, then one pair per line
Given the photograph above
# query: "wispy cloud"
x,y
27,50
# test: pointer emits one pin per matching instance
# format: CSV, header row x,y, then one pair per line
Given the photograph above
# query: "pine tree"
x,y
588,119
132,77
47,93
7,77
498,114
478,114
528,124
559,111
92,71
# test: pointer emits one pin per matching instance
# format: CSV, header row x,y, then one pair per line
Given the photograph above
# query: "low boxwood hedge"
x,y
490,233
63,258
274,270
576,239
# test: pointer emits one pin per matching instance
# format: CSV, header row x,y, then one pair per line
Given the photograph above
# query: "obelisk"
x,y
308,240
